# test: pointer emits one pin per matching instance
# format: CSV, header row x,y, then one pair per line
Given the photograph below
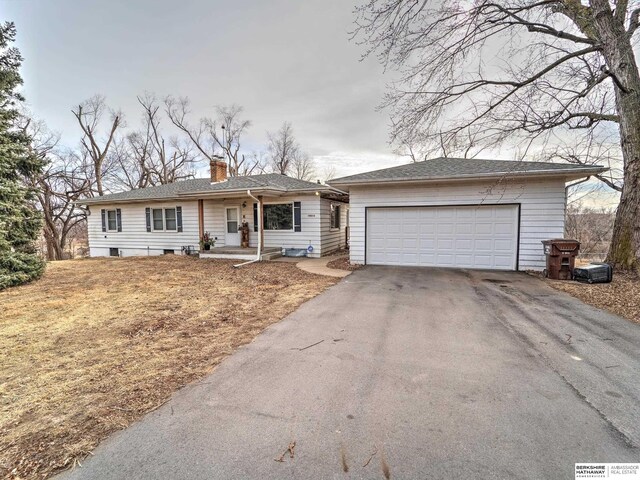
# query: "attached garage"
x,y
471,236
458,213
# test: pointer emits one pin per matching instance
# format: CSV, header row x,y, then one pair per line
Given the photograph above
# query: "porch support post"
x,y
200,218
260,222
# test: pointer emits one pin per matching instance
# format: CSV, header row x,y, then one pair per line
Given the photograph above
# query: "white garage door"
x,y
461,237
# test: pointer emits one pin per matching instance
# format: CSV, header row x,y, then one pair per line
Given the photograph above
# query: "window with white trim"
x,y
164,219
112,221
278,216
170,219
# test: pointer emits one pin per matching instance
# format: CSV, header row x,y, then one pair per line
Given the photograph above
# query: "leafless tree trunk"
x,y
616,47
88,114
562,65
283,149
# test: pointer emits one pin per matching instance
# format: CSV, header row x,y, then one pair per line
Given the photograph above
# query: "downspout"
x,y
259,252
566,197
566,189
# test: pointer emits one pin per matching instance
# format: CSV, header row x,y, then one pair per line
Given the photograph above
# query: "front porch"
x,y
239,253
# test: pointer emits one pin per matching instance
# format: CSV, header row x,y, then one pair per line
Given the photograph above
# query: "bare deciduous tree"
x,y
593,148
302,166
592,227
131,158
515,68
65,178
160,161
208,135
89,115
283,149
328,172
466,146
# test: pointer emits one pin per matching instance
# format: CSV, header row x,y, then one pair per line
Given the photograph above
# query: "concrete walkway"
x,y
316,265
319,266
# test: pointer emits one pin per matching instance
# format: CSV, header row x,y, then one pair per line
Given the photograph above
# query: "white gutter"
x,y
259,254
338,190
578,171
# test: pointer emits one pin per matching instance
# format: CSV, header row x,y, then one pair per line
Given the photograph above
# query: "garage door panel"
x,y
464,228
483,228
503,213
464,244
410,243
427,229
426,244
464,213
445,228
504,262
410,228
503,228
427,258
445,259
484,213
503,245
465,237
445,244
483,244
482,261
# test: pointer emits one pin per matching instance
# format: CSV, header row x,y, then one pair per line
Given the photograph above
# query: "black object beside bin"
x,y
594,273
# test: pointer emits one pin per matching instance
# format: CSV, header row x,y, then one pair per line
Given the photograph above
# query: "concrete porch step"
x,y
238,253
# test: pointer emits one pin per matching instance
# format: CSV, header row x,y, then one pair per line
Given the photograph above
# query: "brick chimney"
x,y
218,170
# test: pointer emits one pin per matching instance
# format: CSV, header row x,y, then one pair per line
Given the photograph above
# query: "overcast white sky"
x,y
282,60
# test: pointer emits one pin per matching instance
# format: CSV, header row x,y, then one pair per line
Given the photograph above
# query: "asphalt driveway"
x,y
419,373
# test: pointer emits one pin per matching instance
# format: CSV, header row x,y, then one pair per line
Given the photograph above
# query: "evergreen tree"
x,y
20,222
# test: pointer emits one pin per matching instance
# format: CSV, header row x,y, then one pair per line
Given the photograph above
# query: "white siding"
x,y
134,238
311,220
541,212
332,239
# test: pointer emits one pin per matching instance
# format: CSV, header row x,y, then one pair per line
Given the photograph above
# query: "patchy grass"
x,y
95,344
621,296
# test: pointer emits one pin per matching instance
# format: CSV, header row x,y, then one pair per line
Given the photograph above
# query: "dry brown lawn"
x,y
621,296
95,344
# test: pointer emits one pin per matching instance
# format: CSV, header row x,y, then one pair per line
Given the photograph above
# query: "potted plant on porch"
x,y
206,242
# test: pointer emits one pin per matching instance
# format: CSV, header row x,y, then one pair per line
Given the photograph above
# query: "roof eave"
x,y
568,174
206,194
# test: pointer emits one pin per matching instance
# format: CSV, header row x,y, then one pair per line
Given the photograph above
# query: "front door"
x,y
232,235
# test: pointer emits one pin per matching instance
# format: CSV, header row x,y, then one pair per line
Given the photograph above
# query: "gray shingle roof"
x,y
269,181
440,168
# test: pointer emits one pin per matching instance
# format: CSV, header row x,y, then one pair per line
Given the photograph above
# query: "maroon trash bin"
x,y
561,256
